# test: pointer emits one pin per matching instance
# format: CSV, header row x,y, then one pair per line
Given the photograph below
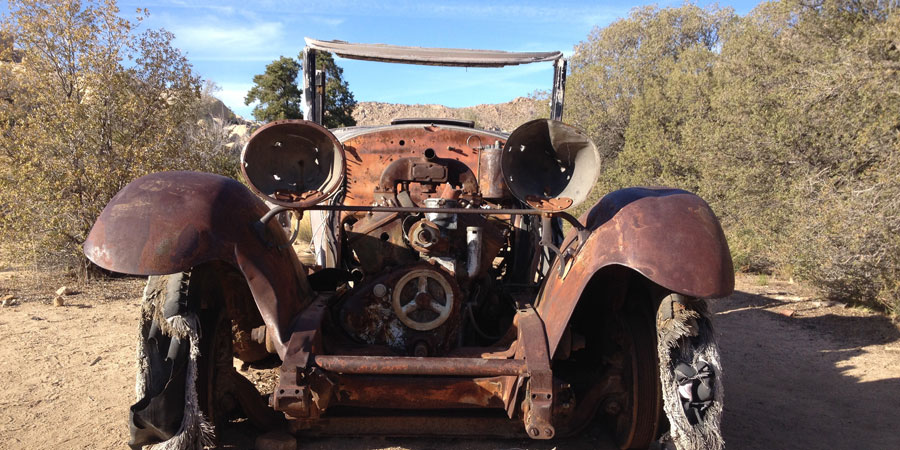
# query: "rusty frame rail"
x,y
310,381
576,224
401,425
410,365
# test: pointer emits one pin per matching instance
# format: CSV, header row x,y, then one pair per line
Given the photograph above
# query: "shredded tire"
x,y
690,373
167,322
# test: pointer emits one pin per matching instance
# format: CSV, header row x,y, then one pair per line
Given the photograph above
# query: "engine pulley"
x,y
423,299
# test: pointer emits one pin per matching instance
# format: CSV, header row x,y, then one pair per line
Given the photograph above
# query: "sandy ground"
x,y
800,372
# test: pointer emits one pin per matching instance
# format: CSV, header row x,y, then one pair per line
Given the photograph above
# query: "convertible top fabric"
x,y
431,56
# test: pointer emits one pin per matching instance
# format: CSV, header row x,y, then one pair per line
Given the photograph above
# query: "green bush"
x,y
89,104
787,121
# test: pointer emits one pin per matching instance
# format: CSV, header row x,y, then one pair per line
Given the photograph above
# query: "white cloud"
x,y
332,12
232,95
230,42
329,21
545,12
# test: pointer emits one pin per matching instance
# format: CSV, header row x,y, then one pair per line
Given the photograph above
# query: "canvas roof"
x,y
431,56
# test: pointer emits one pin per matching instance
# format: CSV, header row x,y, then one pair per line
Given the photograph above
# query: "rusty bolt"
x,y
379,290
421,350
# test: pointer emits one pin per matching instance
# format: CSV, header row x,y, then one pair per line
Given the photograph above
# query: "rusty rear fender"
x,y
669,236
169,222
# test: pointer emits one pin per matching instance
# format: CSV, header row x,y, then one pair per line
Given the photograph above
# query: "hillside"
x,y
502,116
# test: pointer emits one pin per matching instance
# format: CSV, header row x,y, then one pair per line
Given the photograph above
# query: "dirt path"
x,y
68,372
825,377
800,373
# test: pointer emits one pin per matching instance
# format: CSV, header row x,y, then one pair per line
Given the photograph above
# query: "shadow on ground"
x,y
796,382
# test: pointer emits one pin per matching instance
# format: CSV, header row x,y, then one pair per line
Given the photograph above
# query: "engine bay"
x,y
432,231
425,283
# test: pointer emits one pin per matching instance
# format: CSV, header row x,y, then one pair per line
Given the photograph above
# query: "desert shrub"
x,y
787,121
623,69
808,94
91,104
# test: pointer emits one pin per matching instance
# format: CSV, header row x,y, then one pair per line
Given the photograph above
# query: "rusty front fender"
x,y
169,222
669,236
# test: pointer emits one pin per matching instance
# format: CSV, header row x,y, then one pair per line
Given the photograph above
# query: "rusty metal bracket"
x,y
546,234
538,403
568,251
303,391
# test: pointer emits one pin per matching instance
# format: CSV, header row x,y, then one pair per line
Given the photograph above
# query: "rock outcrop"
x,y
502,117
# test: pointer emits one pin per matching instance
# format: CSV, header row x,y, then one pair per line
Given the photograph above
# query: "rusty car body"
x,y
440,294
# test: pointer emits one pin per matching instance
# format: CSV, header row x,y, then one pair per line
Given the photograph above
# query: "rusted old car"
x,y
441,296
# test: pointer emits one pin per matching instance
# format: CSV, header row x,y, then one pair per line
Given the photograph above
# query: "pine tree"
x,y
339,102
277,92
280,96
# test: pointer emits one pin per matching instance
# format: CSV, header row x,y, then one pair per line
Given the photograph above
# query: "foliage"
x,y
92,105
619,64
280,96
787,121
339,101
277,92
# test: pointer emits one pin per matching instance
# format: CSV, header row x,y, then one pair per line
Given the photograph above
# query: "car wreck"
x,y
451,290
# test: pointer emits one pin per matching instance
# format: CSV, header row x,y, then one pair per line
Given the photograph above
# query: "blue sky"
x,y
230,41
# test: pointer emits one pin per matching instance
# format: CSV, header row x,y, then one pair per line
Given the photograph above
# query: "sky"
x,y
230,41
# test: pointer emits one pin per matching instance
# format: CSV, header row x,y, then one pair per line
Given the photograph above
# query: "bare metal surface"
x,y
310,99
370,152
490,178
432,171
321,98
423,291
557,96
371,318
636,425
430,56
473,245
416,209
294,394
434,121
